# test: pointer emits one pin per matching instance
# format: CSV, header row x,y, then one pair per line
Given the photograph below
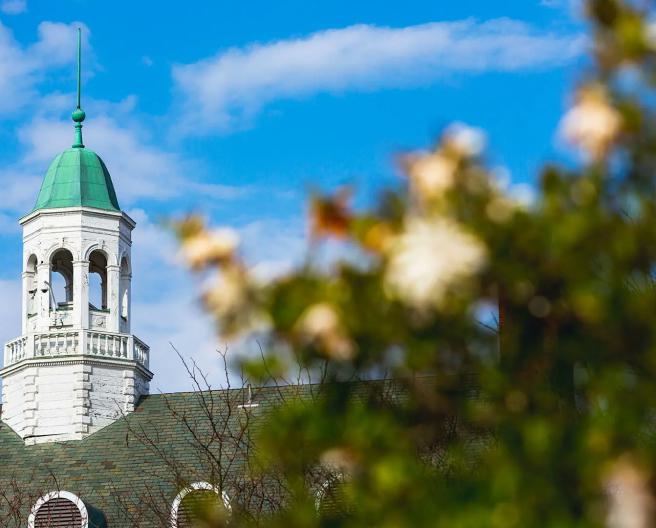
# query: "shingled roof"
x,y
131,471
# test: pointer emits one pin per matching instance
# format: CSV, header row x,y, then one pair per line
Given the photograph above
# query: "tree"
x,y
548,422
217,447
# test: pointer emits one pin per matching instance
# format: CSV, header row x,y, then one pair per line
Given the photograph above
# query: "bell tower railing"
x,y
77,343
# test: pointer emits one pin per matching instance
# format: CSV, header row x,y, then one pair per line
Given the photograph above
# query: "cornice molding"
x,y
77,359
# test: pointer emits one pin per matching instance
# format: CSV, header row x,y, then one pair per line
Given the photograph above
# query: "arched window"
x,y
329,497
98,280
31,285
125,288
61,279
200,501
59,509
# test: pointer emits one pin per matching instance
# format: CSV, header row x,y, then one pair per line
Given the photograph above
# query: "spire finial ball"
x,y
78,115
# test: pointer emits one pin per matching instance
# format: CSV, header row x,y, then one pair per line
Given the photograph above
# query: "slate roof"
x,y
129,473
136,466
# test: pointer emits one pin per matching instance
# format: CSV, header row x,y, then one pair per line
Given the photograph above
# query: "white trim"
x,y
196,486
320,494
26,262
57,246
99,246
323,488
75,359
59,495
76,209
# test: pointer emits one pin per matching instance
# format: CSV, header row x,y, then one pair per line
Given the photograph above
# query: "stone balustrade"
x,y
141,352
15,350
71,343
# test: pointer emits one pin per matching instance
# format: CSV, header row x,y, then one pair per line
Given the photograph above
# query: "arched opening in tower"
x,y
61,280
125,289
31,285
98,280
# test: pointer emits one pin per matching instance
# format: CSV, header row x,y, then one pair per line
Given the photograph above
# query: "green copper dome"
x,y
77,178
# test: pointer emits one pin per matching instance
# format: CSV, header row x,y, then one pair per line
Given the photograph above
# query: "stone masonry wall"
x,y
68,400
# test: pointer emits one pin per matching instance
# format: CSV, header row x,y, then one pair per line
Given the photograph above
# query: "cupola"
x,y
76,366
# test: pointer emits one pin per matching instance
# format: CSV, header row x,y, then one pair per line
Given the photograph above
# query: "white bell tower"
x,y
76,367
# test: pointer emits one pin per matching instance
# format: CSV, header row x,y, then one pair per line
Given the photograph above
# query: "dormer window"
x,y
329,497
59,509
200,501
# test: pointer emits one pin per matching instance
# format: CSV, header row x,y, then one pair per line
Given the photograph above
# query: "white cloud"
x,y
166,307
573,7
166,310
19,190
13,7
274,245
559,3
221,91
10,311
23,67
140,169
222,192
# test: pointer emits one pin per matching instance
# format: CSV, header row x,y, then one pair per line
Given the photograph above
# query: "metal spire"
x,y
78,114
79,65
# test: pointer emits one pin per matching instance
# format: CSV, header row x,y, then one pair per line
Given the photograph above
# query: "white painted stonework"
x,y
76,367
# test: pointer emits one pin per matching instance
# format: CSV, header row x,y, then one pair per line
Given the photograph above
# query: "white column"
x,y
113,297
42,296
29,346
129,290
27,280
81,294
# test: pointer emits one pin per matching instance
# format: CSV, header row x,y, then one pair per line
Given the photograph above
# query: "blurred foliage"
x,y
548,421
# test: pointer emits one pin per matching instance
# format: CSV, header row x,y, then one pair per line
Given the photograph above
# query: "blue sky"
x,y
235,109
